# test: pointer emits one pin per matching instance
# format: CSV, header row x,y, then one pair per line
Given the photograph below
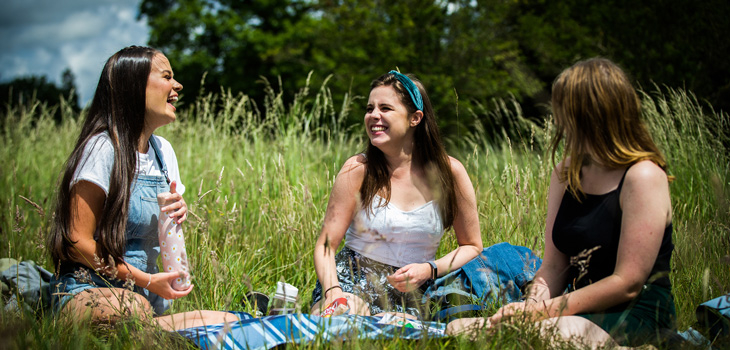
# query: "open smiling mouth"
x,y
377,128
171,100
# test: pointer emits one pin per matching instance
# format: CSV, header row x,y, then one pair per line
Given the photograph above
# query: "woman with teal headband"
x,y
392,204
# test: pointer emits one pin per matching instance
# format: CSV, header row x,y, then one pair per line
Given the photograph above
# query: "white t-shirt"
x,y
98,159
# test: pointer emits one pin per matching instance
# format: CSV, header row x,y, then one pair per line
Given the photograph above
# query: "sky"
x,y
44,37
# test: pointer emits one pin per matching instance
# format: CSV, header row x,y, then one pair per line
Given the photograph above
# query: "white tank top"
x,y
395,237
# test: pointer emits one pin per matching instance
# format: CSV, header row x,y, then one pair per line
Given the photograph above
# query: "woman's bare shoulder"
x,y
354,167
562,165
456,166
645,172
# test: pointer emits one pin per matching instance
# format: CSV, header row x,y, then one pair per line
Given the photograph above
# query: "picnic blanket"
x,y
495,276
270,331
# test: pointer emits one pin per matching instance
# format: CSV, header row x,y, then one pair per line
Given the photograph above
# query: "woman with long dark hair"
x,y
608,233
104,241
392,204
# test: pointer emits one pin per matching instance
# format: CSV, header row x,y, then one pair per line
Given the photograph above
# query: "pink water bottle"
x,y
172,245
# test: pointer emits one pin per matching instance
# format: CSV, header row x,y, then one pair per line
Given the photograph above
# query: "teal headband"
x,y
411,88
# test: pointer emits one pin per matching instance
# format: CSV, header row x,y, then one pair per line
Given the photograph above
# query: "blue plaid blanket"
x,y
498,273
270,331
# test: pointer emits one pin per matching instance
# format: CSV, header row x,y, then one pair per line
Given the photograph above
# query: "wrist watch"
x,y
434,269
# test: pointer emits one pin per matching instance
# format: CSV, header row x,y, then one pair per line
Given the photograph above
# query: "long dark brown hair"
x,y
595,105
428,152
118,108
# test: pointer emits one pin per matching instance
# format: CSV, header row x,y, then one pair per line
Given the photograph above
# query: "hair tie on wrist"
x,y
329,289
148,282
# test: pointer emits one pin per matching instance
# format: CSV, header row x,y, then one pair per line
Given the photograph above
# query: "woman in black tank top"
x,y
608,235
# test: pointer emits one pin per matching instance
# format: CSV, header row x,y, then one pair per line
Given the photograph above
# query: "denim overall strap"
x,y
143,246
158,155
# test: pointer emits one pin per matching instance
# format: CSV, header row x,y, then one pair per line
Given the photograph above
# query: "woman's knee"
x,y
577,328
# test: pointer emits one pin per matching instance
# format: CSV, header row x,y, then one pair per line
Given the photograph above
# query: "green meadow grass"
x,y
257,189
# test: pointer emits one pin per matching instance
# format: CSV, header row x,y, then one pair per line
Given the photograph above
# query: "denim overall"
x,y
142,247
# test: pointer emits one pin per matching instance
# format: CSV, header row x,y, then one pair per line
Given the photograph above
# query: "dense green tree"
x,y
458,48
368,38
677,43
475,50
30,89
231,43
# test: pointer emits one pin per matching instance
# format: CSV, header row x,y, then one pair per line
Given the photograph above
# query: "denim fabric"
x,y
142,248
31,283
498,274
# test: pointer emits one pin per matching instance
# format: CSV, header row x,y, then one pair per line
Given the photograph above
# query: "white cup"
x,y
286,292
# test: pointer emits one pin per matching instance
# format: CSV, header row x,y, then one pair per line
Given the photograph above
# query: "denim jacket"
x,y
498,274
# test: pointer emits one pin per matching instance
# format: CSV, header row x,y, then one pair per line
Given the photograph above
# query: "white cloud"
x,y
44,37
82,25
126,15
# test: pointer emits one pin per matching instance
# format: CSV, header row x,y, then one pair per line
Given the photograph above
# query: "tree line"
x,y
28,89
467,52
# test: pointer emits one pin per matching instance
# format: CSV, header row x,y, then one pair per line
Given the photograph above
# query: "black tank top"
x,y
595,224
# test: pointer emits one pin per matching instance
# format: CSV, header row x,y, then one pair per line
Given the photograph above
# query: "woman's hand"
x,y
327,299
410,277
178,209
161,284
535,311
506,312
472,326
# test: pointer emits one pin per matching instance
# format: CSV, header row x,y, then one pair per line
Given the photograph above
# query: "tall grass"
x,y
258,178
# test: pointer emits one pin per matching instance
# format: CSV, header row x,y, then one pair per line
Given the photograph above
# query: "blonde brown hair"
x,y
598,113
